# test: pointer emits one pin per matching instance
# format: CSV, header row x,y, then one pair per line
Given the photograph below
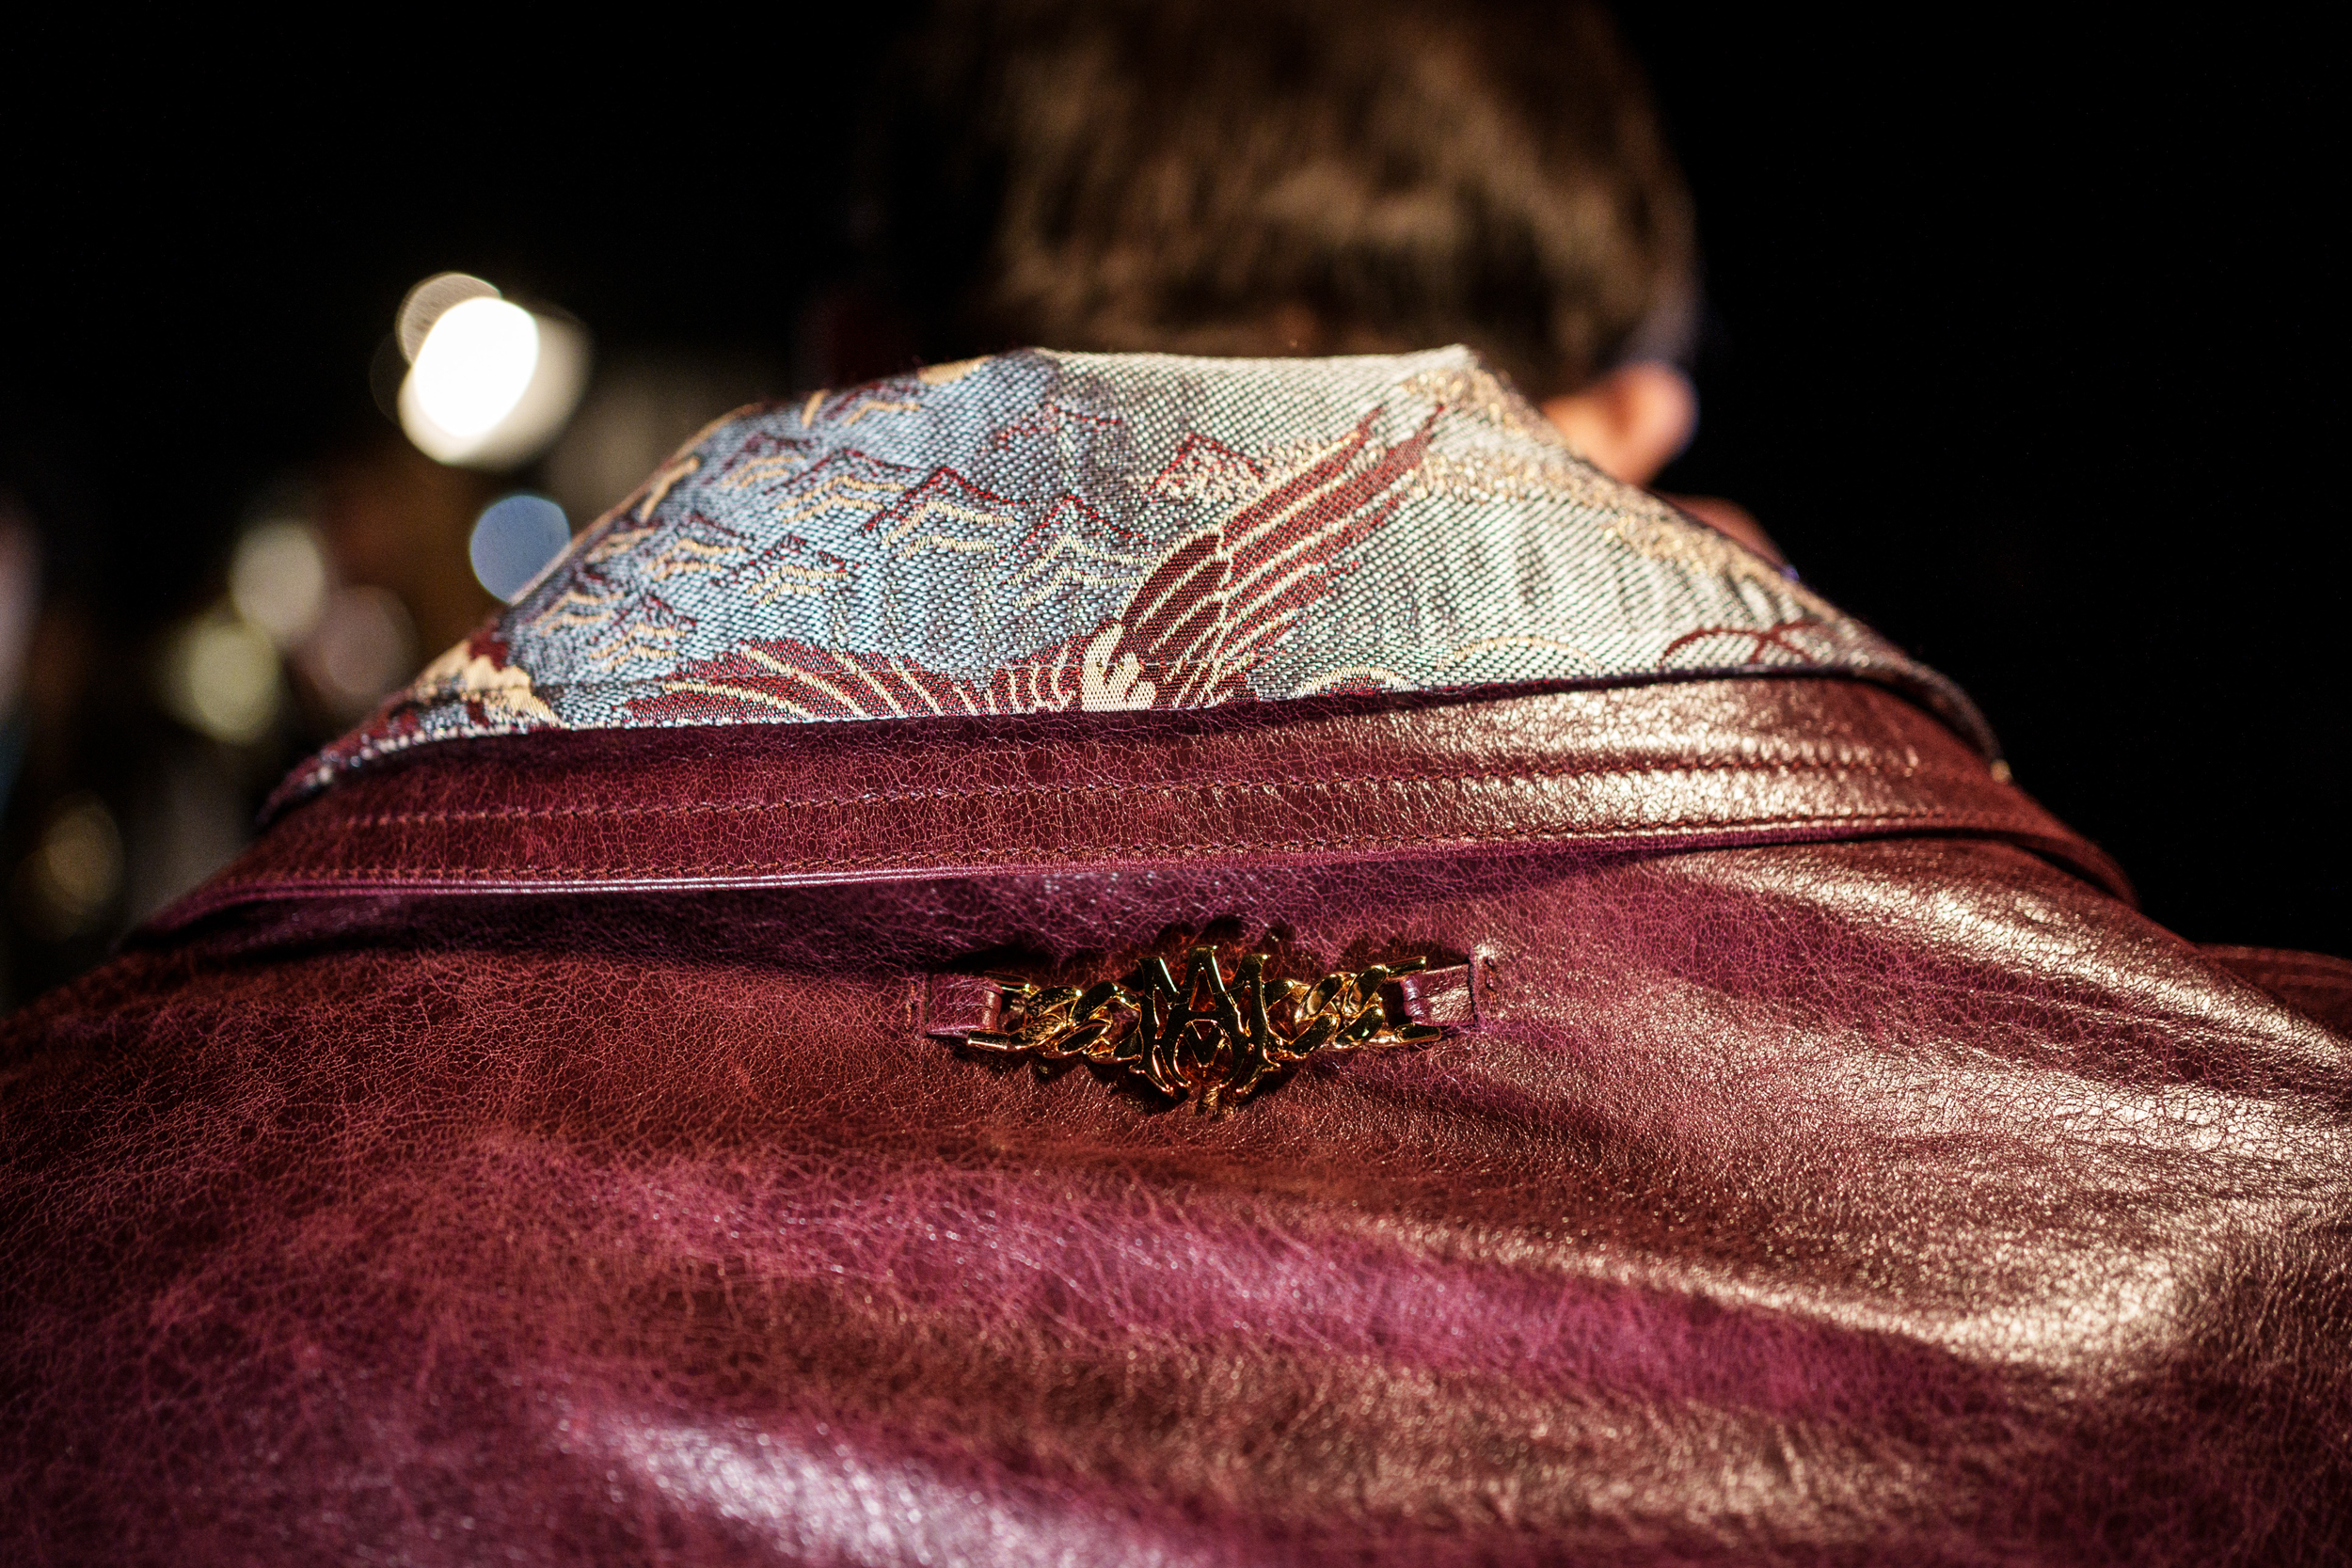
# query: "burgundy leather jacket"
x,y
1129,961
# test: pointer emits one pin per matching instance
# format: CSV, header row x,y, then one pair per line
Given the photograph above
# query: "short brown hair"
x,y
1234,176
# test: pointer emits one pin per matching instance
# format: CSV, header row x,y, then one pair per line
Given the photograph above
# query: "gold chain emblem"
x,y
1208,1038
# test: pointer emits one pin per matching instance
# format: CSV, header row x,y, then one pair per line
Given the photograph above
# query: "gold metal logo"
x,y
1208,1036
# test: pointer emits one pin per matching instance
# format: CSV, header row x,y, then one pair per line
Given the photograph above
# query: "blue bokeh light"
x,y
513,541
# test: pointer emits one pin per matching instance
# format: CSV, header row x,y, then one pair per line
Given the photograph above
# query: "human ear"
x,y
1631,421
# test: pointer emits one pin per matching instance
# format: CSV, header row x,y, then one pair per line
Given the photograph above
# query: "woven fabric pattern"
x,y
1045,531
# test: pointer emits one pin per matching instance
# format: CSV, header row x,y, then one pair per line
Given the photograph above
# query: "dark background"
x,y
2026,346
2022,341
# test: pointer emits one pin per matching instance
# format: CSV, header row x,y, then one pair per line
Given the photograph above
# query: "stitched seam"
x,y
1264,787
1065,852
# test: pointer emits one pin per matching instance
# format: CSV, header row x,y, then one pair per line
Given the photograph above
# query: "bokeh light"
x,y
65,886
365,645
428,300
490,384
220,676
278,579
474,367
514,539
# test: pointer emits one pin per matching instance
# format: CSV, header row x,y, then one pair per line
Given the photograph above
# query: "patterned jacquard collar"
x,y
1046,532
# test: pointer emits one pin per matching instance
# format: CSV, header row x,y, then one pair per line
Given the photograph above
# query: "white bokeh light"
x,y
220,677
278,579
428,300
490,384
475,365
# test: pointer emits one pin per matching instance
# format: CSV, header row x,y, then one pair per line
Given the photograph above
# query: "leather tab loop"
x,y
955,1006
1442,998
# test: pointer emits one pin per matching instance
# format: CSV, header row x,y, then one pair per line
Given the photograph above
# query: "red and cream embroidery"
x,y
1041,530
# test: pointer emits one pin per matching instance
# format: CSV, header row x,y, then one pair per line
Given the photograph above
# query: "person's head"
x,y
1272,177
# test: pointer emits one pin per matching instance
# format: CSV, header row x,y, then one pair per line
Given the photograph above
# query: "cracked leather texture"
x,y
1836,1176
